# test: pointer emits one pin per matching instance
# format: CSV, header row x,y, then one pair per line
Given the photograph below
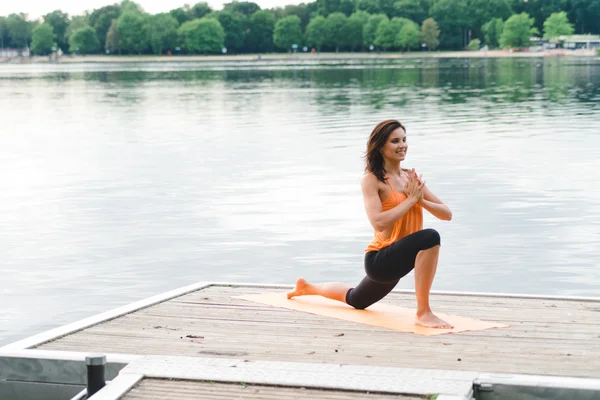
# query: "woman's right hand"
x,y
414,187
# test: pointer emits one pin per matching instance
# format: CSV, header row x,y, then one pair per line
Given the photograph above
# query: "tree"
x,y
4,38
60,25
101,19
315,32
19,30
334,30
181,14
540,10
234,24
244,7
162,32
370,28
112,43
408,37
430,34
43,38
353,30
369,6
518,30
301,10
388,31
586,15
557,24
482,11
452,18
415,10
132,6
204,35
288,31
260,35
200,10
492,31
84,41
77,22
133,32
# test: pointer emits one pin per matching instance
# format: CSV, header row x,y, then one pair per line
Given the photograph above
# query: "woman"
x,y
394,201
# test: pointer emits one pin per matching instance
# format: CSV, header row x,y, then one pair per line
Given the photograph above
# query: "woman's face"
x,y
395,148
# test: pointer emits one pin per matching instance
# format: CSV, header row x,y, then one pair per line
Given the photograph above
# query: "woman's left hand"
x,y
412,175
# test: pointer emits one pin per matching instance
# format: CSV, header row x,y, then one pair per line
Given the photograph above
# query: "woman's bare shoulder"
x,y
369,181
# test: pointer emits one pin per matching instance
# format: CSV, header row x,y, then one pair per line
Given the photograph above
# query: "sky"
x,y
37,8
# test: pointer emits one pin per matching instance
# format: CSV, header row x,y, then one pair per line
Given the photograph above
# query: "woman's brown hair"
x,y
378,138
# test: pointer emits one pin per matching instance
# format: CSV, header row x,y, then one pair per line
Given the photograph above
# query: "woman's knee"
x,y
431,238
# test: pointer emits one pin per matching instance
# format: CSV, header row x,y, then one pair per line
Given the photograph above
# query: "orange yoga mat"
x,y
380,314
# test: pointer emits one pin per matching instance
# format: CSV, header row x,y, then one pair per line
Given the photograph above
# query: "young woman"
x,y
394,201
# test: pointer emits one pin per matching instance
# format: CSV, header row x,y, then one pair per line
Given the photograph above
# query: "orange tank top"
x,y
410,222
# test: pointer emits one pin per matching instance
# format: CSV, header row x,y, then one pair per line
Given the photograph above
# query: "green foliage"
x,y
4,38
59,21
84,41
327,24
370,29
288,31
234,24
430,34
77,22
408,37
181,14
352,31
388,32
131,6
200,10
260,37
19,30
492,31
415,10
101,19
369,6
557,24
334,30
315,32
113,43
162,32
246,8
474,44
518,30
452,19
133,32
42,39
204,35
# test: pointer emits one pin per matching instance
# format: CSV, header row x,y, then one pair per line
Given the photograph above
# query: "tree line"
x,y
325,25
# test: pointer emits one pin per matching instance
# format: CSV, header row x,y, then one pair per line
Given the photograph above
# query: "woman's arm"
x,y
380,220
434,205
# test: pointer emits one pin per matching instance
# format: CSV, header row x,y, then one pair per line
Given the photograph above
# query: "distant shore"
x,y
287,57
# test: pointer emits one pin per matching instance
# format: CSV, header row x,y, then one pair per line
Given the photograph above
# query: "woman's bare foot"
x,y
299,290
429,320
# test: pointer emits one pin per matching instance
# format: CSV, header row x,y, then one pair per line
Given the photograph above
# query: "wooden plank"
x,y
154,389
560,337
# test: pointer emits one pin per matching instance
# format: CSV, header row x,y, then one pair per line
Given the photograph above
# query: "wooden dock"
x,y
546,337
201,342
160,389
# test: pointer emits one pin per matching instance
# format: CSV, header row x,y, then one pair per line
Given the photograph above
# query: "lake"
x,y
124,180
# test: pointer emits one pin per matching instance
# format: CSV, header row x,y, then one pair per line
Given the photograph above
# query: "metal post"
x,y
96,365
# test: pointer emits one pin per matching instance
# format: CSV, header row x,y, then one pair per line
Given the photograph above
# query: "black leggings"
x,y
387,266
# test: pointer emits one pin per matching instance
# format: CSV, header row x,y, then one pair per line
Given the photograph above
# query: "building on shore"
x,y
580,42
8,52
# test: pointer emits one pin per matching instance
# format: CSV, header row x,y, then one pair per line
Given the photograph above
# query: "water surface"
x,y
121,181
